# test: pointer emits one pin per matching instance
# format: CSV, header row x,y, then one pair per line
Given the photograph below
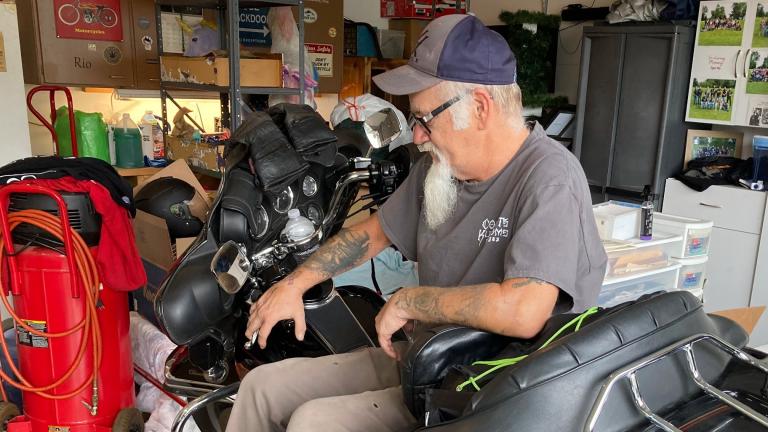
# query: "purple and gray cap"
x,y
453,48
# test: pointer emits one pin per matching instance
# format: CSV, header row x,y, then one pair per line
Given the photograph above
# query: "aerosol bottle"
x,y
297,229
646,214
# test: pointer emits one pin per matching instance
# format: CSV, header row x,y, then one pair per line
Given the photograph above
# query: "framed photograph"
x,y
705,143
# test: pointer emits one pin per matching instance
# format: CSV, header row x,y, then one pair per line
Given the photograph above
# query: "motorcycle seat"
x,y
554,388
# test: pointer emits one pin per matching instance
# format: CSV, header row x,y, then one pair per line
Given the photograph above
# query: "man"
x,y
498,218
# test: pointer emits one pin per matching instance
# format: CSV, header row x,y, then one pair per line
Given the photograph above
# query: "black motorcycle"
x,y
203,304
659,363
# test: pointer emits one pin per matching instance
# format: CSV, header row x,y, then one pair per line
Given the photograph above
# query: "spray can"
x,y
646,214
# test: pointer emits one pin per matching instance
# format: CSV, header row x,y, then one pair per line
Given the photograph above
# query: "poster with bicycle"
x,y
88,19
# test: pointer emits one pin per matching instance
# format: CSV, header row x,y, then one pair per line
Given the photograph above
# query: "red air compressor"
x,y
75,366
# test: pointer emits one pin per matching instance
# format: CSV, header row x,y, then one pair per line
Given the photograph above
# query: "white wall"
x,y
16,143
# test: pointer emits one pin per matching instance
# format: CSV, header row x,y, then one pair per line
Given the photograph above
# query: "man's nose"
x,y
420,135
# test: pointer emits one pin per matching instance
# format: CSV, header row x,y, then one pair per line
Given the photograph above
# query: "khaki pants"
x,y
357,391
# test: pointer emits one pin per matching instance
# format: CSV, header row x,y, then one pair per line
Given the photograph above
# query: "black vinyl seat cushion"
x,y
554,388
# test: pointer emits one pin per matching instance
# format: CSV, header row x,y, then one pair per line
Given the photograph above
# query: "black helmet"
x,y
169,198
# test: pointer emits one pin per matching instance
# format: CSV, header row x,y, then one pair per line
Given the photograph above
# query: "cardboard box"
x,y
324,40
421,9
207,155
254,72
746,317
412,29
152,237
153,241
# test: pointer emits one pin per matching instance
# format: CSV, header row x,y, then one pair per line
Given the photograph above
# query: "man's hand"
x,y
390,319
281,302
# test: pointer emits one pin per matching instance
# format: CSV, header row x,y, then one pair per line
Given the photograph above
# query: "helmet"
x,y
169,198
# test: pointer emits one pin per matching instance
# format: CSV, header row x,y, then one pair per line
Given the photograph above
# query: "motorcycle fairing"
x,y
554,388
189,303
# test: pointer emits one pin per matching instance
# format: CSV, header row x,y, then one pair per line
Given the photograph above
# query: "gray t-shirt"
x,y
532,219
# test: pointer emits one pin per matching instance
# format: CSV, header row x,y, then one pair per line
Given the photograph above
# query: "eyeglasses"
x,y
424,120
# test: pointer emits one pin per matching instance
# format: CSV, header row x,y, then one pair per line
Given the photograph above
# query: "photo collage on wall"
x,y
757,70
713,86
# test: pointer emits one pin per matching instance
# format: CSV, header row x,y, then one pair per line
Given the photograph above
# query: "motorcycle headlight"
x,y
283,201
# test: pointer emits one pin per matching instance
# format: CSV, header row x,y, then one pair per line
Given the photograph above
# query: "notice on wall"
x,y
2,54
99,20
174,38
321,56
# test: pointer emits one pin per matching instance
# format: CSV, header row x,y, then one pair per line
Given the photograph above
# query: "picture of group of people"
x,y
712,99
721,27
760,34
703,143
757,80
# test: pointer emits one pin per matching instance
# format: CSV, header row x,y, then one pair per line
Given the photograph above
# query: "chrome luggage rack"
x,y
630,372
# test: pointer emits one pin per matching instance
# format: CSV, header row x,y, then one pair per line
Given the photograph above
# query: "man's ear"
x,y
483,104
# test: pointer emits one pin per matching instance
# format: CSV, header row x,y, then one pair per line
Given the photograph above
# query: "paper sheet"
x,y
174,39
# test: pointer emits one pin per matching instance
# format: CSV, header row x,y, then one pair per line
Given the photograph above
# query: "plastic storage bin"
x,y
616,221
695,233
760,158
619,290
692,273
634,255
391,43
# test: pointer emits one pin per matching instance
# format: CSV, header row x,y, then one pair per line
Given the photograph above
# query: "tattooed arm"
x,y
347,249
517,307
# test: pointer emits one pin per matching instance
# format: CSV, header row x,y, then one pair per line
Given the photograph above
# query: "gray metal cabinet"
x,y
631,107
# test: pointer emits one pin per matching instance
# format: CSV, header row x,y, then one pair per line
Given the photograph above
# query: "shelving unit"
x,y
229,28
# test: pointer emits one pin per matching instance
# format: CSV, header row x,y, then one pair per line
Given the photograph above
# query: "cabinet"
x,y
729,75
630,130
144,38
228,11
47,58
737,270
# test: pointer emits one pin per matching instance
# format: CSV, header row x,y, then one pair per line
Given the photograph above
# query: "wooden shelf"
x,y
357,79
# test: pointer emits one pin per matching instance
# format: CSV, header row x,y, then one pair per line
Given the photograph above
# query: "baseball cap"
x,y
453,48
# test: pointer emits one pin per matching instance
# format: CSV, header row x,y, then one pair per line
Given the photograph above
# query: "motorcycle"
x,y
659,363
203,304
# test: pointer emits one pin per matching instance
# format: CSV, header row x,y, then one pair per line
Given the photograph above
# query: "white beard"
x,y
440,189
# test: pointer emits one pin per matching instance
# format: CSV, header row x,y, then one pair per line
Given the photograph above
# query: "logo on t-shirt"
x,y
493,230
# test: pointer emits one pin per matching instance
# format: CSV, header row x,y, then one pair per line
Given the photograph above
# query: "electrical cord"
x,y
89,276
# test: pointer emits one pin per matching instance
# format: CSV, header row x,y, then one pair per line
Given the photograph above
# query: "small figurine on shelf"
x,y
285,41
181,128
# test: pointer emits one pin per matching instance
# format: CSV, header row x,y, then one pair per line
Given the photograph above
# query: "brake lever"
x,y
252,298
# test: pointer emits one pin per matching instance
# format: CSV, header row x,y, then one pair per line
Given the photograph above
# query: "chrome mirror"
x,y
382,127
231,267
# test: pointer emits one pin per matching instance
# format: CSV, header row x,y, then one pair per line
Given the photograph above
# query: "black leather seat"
x,y
554,388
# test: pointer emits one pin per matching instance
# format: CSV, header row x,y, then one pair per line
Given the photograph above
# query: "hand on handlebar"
x,y
283,301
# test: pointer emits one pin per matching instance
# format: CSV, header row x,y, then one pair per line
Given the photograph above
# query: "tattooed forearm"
x,y
344,251
491,306
462,305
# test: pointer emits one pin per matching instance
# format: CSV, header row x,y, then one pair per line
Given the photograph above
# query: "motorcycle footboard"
x,y
335,326
629,373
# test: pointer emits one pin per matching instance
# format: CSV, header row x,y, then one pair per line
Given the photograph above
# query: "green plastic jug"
x,y
128,144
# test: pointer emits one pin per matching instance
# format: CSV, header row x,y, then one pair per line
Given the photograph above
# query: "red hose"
x,y
89,275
